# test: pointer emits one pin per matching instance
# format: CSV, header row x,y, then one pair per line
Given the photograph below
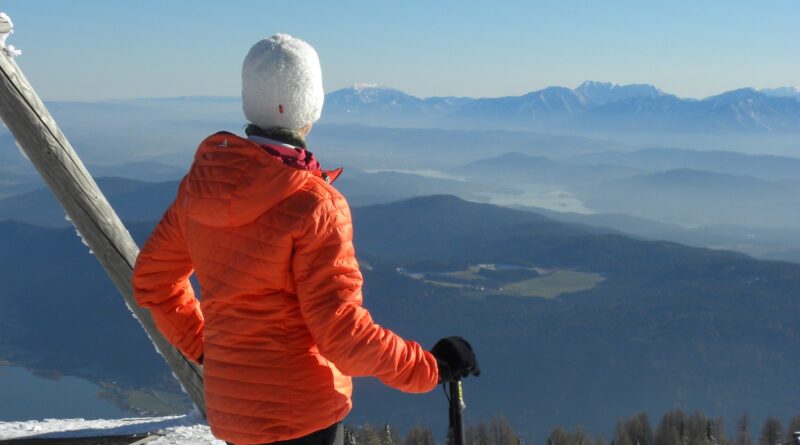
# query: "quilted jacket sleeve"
x,y
329,290
161,284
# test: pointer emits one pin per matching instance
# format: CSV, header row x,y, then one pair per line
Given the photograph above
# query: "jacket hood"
x,y
233,181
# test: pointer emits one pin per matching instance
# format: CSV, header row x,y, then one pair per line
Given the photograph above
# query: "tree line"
x,y
498,431
674,428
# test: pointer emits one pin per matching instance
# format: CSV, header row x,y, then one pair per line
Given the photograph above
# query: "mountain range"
x,y
592,107
741,202
664,186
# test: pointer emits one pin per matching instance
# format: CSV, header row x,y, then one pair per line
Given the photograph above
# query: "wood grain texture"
x,y
46,146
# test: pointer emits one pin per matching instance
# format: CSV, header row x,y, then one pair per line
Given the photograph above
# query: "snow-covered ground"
x,y
188,429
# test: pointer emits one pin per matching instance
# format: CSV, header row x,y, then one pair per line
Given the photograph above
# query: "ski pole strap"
x,y
456,429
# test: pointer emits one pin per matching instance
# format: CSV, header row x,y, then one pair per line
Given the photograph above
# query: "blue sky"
x,y
100,49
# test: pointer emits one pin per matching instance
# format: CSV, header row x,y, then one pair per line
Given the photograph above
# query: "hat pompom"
x,y
282,83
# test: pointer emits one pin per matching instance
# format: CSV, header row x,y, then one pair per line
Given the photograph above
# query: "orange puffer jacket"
x,y
280,327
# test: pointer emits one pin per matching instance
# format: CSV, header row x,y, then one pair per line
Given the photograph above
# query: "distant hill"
x,y
666,326
661,159
382,186
765,243
132,200
667,185
142,171
367,147
695,197
17,174
442,226
691,179
519,168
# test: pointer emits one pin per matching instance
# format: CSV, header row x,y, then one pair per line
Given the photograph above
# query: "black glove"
x,y
455,358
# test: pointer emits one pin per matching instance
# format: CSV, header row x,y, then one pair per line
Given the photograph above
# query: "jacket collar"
x,y
294,156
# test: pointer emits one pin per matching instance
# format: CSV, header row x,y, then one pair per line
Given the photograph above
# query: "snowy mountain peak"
x,y
369,86
596,85
365,93
601,93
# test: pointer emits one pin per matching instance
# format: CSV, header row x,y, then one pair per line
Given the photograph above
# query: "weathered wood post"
x,y
52,155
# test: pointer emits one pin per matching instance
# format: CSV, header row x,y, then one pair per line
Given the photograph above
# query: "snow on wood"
x,y
6,29
188,429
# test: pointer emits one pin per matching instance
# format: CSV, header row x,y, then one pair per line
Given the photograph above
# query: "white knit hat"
x,y
282,83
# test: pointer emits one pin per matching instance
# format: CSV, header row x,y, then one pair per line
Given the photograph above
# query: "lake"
x,y
25,396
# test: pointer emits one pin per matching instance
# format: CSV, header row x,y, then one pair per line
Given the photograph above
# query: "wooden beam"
x,y
45,145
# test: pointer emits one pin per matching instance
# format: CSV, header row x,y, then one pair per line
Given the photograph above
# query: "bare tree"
x,y
419,436
794,427
349,436
389,436
771,432
671,429
559,436
743,436
634,431
501,432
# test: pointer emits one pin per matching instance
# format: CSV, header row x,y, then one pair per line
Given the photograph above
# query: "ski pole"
x,y
456,408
